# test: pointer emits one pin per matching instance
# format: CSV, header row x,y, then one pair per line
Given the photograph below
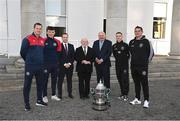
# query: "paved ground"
x,y
165,104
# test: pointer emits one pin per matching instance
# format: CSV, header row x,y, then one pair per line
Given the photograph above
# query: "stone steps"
x,y
161,68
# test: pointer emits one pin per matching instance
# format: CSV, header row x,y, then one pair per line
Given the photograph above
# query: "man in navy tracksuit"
x,y
51,51
32,52
121,53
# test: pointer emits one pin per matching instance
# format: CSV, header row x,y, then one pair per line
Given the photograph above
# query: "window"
x,y
159,20
59,31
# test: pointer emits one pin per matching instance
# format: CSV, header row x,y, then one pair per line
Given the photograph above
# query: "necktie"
x,y
66,49
84,50
101,44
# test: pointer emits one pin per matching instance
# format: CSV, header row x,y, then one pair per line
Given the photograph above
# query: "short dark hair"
x,y
65,34
37,24
119,33
139,27
50,28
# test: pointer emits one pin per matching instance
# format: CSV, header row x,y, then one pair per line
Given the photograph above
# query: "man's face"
x,y
38,30
102,36
119,37
84,42
51,33
65,38
138,32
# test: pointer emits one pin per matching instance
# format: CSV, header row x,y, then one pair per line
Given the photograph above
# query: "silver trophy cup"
x,y
100,96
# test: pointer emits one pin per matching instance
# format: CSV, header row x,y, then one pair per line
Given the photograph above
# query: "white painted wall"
x,y
14,27
10,27
3,27
140,12
84,19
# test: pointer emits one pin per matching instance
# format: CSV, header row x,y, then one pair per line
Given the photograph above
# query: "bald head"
x,y
84,42
102,36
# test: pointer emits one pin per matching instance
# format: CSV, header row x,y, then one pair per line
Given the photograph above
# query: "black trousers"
x,y
84,83
30,71
123,78
62,73
50,69
140,77
103,73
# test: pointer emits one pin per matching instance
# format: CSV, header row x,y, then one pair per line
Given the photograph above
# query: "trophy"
x,y
100,94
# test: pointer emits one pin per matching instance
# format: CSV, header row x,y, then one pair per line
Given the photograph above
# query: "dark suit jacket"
x,y
79,56
69,58
104,53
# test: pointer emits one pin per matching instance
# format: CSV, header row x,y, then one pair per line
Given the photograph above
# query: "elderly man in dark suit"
x,y
103,50
84,56
66,60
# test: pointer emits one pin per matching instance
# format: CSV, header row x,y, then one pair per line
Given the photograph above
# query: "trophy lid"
x,y
100,86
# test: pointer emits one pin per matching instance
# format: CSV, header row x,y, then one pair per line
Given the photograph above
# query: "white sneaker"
x,y
54,97
135,102
45,99
146,104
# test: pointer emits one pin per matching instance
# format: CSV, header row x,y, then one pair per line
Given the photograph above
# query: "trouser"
x,y
140,77
50,69
84,83
103,74
123,79
62,73
30,71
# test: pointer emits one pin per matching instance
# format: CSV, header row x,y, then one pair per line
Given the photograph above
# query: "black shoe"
x,y
60,97
87,97
27,108
121,97
125,98
82,98
41,103
71,96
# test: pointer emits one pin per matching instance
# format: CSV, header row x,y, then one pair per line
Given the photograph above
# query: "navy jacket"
x,y
32,50
141,52
66,58
104,53
51,50
121,54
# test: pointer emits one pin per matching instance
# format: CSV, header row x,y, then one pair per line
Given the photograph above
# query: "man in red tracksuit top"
x,y
32,52
51,53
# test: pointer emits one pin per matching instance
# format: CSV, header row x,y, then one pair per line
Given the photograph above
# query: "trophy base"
x,y
98,107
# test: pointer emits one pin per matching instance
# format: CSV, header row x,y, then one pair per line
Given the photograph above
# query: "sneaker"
x,y
125,98
41,103
45,99
146,104
27,108
135,102
121,97
71,96
54,97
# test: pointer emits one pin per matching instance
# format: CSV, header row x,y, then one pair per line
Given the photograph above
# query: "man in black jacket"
x,y
141,54
66,60
84,56
121,54
103,50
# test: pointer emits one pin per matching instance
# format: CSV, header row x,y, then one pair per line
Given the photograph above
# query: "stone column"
x,y
175,35
32,11
116,18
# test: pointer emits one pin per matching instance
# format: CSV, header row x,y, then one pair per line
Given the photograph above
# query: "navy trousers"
x,y
30,71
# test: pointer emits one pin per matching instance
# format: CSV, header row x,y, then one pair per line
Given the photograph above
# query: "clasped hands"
x,y
99,61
